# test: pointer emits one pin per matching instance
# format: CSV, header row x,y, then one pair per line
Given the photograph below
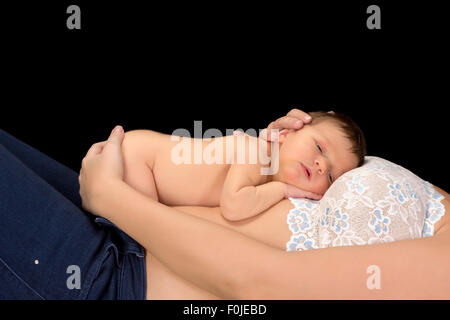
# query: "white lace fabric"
x,y
375,203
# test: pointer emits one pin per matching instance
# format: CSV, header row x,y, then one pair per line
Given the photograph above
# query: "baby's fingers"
x,y
294,192
312,196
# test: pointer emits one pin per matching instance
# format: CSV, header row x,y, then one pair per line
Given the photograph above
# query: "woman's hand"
x,y
294,120
101,168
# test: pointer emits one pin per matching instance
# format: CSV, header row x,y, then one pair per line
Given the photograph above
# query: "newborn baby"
x,y
304,164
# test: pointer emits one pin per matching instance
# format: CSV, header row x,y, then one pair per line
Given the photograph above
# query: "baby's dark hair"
x,y
351,130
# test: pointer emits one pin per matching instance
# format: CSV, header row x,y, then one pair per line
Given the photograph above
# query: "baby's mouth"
x,y
306,171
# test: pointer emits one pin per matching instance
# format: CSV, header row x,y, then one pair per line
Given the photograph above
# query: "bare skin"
x,y
142,168
153,165
270,227
236,266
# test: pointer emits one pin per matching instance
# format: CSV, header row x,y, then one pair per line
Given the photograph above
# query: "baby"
x,y
304,164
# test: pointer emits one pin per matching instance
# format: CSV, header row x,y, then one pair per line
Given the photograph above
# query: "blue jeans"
x,y
50,248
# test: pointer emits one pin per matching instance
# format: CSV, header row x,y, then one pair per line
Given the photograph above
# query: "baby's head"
x,y
313,157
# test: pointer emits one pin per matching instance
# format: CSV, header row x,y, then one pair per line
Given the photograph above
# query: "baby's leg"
x,y
138,160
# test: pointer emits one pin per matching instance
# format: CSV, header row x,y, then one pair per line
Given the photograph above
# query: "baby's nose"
x,y
321,165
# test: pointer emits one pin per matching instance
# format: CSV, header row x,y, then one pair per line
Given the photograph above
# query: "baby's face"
x,y
314,156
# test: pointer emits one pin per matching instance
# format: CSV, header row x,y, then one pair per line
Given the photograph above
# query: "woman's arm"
x,y
409,269
215,258
234,266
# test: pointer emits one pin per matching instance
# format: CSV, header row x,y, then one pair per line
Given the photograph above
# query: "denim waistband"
x,y
120,273
128,244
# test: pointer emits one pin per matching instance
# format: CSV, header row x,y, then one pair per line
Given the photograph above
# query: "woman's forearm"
x,y
196,249
231,265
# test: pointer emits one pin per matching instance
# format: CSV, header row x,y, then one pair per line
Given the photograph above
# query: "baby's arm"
x,y
246,192
243,198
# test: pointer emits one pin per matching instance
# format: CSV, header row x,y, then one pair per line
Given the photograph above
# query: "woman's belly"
x,y
163,284
269,227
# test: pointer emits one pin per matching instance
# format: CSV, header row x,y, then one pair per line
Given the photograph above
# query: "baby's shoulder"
x,y
144,143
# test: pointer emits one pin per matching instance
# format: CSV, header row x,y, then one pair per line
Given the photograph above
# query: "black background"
x,y
161,66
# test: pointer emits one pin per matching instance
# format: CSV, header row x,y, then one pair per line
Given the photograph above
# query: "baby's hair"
x,y
351,130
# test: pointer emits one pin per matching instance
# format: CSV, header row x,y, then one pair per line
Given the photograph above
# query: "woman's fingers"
x,y
286,123
96,148
116,136
273,133
300,115
294,120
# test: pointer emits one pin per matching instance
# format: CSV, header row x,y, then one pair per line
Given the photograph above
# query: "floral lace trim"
x,y
435,210
303,221
301,224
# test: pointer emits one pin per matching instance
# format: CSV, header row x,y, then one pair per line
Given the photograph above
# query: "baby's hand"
x,y
294,192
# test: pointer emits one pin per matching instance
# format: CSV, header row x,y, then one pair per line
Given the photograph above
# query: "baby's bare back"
x,y
180,172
